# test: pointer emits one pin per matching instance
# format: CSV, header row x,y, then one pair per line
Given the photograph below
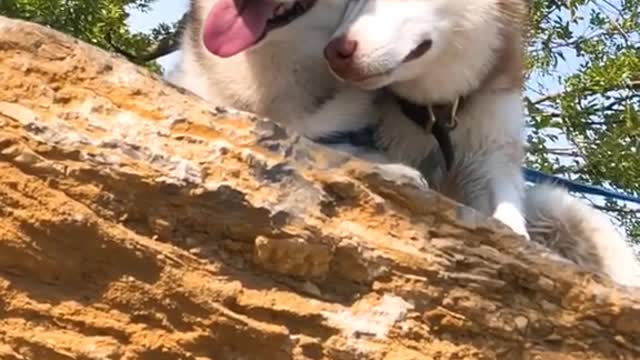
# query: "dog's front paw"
x,y
513,218
403,174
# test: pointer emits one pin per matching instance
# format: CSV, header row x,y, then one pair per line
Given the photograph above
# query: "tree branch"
x,y
631,85
162,47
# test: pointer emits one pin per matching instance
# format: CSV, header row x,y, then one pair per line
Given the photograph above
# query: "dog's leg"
x,y
403,174
491,155
489,182
352,109
506,186
348,110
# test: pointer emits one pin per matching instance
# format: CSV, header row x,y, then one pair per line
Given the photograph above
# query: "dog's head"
x,y
230,27
380,42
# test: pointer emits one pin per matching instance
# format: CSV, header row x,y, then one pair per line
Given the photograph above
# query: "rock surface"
x,y
138,222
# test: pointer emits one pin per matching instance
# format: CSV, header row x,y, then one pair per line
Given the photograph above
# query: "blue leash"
x,y
538,177
365,138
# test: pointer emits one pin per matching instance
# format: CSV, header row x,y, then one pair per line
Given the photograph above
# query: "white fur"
x,y
580,233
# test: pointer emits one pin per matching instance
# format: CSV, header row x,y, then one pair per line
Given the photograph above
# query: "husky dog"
x,y
465,57
273,65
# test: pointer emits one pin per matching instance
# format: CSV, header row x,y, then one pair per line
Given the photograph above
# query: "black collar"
x,y
438,119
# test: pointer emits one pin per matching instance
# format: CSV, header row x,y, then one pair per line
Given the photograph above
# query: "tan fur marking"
x,y
508,71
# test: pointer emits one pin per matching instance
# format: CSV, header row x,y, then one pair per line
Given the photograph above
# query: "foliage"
x,y
588,126
583,93
99,22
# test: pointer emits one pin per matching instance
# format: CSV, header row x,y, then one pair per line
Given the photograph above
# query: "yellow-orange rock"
x,y
138,222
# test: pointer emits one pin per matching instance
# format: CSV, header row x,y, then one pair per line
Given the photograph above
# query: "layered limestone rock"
x,y
138,222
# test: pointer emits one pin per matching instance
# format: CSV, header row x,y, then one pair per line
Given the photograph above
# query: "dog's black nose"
x,y
339,53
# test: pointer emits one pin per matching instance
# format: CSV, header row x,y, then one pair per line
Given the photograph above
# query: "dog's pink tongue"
x,y
234,25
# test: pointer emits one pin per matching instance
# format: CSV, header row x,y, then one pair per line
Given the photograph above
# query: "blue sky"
x,y
163,11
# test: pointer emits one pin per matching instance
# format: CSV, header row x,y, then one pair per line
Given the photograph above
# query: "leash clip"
x,y
432,119
453,121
